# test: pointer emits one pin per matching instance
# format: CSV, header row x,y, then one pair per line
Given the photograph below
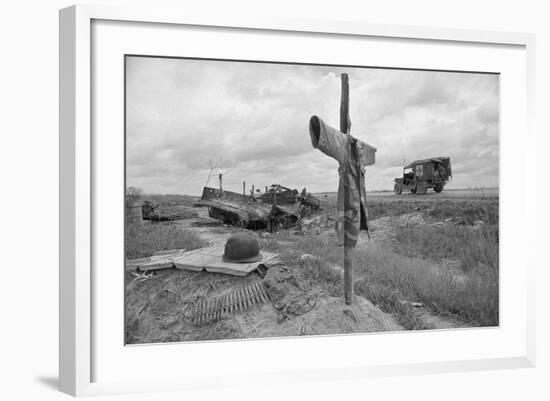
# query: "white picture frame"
x,y
79,345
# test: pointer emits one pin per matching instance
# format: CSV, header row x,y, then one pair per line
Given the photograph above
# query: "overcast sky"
x,y
254,118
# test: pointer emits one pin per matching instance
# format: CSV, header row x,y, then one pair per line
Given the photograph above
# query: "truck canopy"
x,y
445,160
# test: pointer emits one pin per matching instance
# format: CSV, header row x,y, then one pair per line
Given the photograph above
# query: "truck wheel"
x,y
397,188
438,188
421,188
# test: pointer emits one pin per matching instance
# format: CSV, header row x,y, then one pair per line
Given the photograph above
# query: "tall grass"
x,y
387,278
145,239
322,270
465,212
473,247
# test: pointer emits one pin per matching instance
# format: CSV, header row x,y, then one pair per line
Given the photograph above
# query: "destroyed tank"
x,y
278,207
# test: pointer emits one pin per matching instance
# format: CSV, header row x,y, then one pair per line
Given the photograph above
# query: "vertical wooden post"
x,y
345,122
345,126
220,177
244,189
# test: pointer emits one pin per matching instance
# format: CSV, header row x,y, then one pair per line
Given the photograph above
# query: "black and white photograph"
x,y
269,199
300,200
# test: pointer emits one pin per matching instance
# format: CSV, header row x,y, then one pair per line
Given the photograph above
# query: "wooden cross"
x,y
345,127
337,143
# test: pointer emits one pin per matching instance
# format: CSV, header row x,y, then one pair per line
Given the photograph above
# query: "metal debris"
x,y
413,304
156,212
141,276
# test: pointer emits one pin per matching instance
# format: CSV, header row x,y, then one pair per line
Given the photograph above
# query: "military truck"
x,y
421,175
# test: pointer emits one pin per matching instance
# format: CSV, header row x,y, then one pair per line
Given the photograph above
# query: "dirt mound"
x,y
329,316
158,308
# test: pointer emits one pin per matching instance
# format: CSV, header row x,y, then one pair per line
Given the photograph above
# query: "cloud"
x,y
182,113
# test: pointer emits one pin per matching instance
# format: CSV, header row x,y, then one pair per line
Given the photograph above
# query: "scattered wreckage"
x,y
152,212
421,175
136,211
274,284
278,207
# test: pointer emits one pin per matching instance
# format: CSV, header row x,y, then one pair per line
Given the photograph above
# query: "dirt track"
x,y
447,194
456,194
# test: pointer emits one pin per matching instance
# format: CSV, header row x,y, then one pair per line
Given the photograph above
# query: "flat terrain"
x,y
452,194
431,262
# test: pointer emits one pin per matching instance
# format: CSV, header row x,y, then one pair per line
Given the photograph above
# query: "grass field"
x,y
451,268
448,260
145,239
393,280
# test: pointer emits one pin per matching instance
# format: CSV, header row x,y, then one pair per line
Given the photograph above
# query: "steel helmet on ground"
x,y
242,248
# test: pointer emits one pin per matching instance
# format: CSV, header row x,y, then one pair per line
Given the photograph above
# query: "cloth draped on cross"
x,y
352,155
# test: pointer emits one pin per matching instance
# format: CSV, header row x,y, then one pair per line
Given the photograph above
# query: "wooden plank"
x,y
170,252
159,256
211,260
156,265
133,263
196,260
160,260
239,269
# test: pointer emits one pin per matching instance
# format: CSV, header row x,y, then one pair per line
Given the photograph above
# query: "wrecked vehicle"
x,y
421,175
280,195
234,208
150,211
278,207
